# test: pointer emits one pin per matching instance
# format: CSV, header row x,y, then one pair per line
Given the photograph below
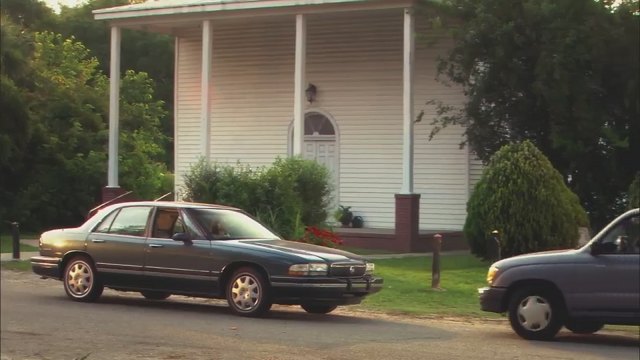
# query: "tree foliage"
x,y
563,74
522,196
140,51
55,106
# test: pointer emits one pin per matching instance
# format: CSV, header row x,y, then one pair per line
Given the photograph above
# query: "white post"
x,y
299,82
407,103
114,107
205,102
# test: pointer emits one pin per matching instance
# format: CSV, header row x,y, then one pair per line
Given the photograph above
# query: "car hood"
x,y
545,257
309,252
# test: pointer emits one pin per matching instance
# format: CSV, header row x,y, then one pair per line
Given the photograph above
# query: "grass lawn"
x,y
407,286
6,244
19,265
361,251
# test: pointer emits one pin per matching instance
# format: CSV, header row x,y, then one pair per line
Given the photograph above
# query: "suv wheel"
x,y
318,308
583,326
536,313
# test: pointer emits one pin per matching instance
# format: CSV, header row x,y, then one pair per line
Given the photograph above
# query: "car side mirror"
x,y
598,248
181,237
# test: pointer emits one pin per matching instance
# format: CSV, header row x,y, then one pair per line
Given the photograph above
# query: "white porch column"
x,y
407,102
205,102
299,82
114,107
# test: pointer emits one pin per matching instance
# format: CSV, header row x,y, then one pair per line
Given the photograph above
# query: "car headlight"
x,y
370,268
491,274
313,269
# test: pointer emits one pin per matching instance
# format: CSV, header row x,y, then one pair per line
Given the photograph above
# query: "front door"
x,y
323,152
610,283
173,265
320,143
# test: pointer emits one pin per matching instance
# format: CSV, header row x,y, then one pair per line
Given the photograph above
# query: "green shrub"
x,y
286,197
311,183
634,192
522,196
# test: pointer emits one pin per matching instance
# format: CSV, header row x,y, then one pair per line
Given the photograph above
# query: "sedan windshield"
x,y
229,224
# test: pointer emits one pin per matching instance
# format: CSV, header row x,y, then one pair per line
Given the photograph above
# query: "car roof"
x,y
176,204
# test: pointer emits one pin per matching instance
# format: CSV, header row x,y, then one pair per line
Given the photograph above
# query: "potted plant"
x,y
357,222
343,215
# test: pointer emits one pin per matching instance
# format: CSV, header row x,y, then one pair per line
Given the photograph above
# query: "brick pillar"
x,y
407,221
110,193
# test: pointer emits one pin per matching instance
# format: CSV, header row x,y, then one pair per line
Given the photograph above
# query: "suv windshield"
x,y
229,224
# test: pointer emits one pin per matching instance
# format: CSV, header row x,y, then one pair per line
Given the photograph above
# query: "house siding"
x,y
355,60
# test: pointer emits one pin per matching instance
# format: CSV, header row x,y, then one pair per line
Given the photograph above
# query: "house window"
x,y
316,123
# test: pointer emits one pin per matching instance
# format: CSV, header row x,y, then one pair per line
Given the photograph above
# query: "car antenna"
x,y
164,196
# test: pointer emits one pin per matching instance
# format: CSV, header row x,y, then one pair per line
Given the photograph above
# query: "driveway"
x,y
39,322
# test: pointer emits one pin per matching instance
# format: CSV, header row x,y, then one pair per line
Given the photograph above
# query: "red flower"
x,y
318,236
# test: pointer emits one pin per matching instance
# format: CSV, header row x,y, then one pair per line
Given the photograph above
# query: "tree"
x,y
563,74
15,122
522,196
29,14
140,51
57,165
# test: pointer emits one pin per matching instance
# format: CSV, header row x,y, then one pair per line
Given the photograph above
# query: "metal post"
x,y
496,239
15,232
435,268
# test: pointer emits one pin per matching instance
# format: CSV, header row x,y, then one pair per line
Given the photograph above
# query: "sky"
x,y
55,4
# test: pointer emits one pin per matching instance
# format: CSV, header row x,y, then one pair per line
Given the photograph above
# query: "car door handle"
x,y
97,240
155,245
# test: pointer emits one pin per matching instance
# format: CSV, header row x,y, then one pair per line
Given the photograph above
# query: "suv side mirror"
x,y
598,248
181,237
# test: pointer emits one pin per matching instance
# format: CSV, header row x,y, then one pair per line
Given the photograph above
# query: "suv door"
x,y
613,279
181,266
117,245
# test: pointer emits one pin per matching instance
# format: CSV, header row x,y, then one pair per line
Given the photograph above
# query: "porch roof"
x,y
190,7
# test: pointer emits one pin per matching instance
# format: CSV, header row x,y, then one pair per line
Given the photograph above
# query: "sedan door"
x,y
178,266
117,245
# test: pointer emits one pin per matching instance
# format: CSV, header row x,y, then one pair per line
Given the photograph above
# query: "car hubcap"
x,y
245,293
534,313
79,279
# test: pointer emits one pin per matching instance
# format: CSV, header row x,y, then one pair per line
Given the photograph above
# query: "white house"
x,y
242,69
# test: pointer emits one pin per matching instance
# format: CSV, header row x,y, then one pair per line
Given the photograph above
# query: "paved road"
x,y
39,322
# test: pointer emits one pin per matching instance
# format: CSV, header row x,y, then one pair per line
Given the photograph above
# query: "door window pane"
x,y
625,237
105,224
131,221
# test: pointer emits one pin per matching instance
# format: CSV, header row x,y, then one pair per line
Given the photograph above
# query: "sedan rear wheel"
x,y
80,280
248,293
155,295
318,309
536,313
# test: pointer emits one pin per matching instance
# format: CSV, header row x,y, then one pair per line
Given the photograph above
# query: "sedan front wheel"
x,y
248,293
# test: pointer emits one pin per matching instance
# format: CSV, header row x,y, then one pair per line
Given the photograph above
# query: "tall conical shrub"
x,y
522,196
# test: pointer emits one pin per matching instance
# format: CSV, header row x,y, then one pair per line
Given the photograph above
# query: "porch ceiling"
x,y
167,16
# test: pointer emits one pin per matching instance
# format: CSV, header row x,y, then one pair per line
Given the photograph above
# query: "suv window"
x,y
624,238
131,221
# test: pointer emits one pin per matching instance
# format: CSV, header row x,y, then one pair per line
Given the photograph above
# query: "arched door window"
x,y
318,124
